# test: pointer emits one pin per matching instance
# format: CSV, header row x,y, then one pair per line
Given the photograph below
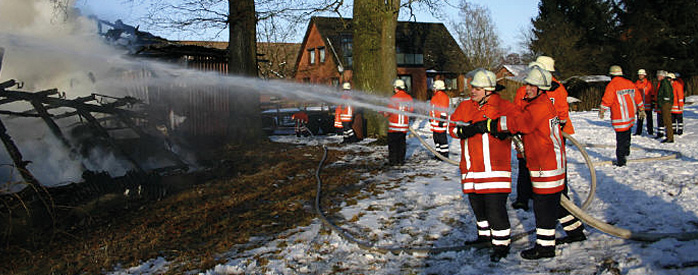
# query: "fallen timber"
x,y
25,214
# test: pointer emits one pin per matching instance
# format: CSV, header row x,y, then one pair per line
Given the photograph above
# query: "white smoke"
x,y
46,47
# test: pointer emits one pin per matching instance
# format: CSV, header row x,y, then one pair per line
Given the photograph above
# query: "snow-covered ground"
x,y
422,205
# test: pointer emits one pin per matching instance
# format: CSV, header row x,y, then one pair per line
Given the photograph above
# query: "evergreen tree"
x,y
579,34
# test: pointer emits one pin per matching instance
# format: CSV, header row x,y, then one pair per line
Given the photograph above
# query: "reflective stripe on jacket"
x,y
622,99
645,88
542,139
400,101
347,111
485,163
678,97
439,109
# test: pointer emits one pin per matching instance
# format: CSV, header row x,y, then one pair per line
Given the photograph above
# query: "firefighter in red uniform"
x,y
624,101
301,119
439,109
485,163
338,121
559,98
644,86
346,116
545,153
398,123
677,107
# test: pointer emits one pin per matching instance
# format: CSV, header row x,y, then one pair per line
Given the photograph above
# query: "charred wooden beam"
x,y
16,156
23,114
46,117
101,131
43,98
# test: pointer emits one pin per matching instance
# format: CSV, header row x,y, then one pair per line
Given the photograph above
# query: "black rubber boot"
x,y
538,252
520,205
571,239
498,253
481,241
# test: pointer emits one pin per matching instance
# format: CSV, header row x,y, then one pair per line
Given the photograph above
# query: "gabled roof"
x,y
441,51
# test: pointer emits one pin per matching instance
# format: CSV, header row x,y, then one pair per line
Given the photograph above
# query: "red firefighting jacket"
x,y
300,116
485,163
337,119
542,140
559,99
644,86
400,101
622,99
347,111
439,109
678,97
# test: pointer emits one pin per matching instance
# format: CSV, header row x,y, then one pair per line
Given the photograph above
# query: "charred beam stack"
x,y
100,118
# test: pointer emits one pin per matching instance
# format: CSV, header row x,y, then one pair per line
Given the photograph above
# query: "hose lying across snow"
x,y
588,219
566,203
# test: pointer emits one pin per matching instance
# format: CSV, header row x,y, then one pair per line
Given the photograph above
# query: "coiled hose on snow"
x,y
566,203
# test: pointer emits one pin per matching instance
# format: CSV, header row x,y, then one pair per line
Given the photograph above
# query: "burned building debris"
x,y
137,128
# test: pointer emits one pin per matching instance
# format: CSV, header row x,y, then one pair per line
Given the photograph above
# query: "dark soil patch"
x,y
244,192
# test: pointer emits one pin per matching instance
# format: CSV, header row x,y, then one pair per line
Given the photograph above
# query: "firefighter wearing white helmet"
x,y
677,106
486,163
398,123
558,96
644,86
539,126
346,115
440,104
623,100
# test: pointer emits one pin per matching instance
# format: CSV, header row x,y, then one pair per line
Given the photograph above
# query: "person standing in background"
x,y
665,99
622,99
439,109
398,123
677,107
644,86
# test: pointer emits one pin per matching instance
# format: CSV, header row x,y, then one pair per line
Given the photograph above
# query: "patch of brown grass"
x,y
246,192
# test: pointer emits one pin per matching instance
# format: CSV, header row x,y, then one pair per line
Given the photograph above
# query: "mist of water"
x,y
69,55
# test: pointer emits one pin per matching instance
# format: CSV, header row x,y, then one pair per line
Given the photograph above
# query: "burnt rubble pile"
x,y
120,126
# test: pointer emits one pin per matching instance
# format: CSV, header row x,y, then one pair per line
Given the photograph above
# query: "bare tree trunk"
x,y
374,52
242,60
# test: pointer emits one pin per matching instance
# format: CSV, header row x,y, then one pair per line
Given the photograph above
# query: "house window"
x,y
346,41
311,56
321,53
408,82
451,83
407,56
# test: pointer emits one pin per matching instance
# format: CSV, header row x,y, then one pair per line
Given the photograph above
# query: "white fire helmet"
x,y
671,75
615,70
547,62
661,73
539,77
399,84
484,79
439,85
641,72
346,86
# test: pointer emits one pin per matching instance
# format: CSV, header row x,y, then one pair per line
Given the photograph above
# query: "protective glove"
x,y
490,126
442,123
464,132
601,114
641,115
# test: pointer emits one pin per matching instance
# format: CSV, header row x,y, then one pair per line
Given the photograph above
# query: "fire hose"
x,y
564,201
588,219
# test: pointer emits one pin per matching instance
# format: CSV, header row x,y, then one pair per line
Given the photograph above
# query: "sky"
x,y
510,17
420,205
